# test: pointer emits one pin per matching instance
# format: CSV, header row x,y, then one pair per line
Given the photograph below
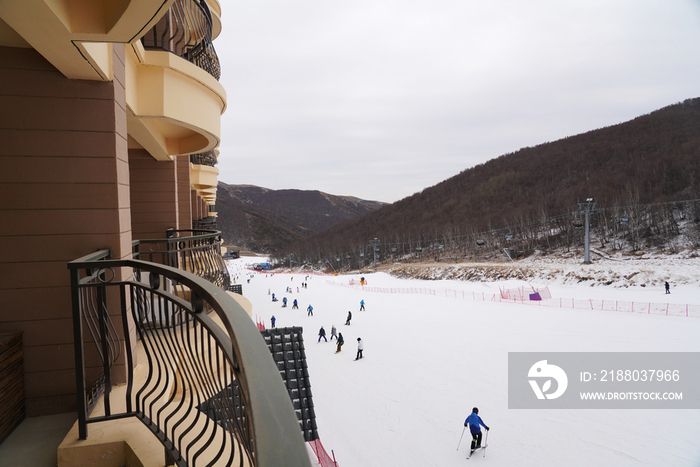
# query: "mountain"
x,y
264,220
654,158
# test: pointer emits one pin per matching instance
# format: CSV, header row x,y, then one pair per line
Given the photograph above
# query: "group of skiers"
x,y
473,421
339,340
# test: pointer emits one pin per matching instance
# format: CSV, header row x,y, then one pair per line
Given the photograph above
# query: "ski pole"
x,y
460,438
486,442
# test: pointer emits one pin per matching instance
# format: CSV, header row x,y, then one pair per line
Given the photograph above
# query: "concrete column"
x,y
154,200
195,205
183,192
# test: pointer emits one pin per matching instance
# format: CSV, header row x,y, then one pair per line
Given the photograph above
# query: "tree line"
x,y
628,227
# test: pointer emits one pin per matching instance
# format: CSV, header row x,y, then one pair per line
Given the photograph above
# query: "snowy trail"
x,y
429,359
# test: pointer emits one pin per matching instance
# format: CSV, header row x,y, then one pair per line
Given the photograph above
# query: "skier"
x,y
284,302
340,342
274,299
347,321
668,287
334,333
322,333
360,348
310,311
362,305
473,420
273,319
295,305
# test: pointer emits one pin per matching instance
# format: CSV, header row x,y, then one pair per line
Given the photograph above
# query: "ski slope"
x,y
430,359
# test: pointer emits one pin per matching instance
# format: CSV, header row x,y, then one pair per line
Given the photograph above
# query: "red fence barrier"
x,y
668,309
324,459
521,293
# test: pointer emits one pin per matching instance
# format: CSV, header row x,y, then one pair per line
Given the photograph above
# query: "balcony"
x,y
205,223
186,31
194,251
204,175
174,106
167,310
174,98
77,36
208,158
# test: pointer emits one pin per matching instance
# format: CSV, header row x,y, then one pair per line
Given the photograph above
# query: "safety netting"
x,y
526,293
324,460
668,309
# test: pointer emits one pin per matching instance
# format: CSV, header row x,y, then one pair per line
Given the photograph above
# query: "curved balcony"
x,y
195,251
206,158
206,223
215,9
174,107
192,360
76,36
186,31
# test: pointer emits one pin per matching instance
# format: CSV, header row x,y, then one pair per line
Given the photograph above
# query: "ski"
x,y
472,451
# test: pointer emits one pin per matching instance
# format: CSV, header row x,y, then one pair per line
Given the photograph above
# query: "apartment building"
x,y
103,104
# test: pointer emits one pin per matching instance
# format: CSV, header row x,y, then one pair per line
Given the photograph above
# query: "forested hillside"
x,y
265,220
654,158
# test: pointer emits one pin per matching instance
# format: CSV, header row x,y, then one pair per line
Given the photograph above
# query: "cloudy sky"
x,y
379,99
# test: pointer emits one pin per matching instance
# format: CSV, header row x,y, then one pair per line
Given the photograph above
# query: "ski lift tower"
x,y
588,207
375,244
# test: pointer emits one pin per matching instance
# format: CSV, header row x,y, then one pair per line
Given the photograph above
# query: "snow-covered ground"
x,y
430,359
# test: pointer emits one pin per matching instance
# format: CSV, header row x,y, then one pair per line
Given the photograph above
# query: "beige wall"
x,y
154,199
64,193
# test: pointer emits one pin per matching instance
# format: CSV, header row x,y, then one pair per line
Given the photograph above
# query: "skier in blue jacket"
x,y
475,423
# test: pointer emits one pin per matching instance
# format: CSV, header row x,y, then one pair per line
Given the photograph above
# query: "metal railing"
x,y
204,158
186,30
205,223
190,360
197,251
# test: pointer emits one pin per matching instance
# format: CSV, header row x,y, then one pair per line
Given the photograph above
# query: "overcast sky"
x,y
381,99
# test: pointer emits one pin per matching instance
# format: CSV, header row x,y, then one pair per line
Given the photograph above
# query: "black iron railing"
x,y
185,30
196,251
188,358
205,223
204,158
